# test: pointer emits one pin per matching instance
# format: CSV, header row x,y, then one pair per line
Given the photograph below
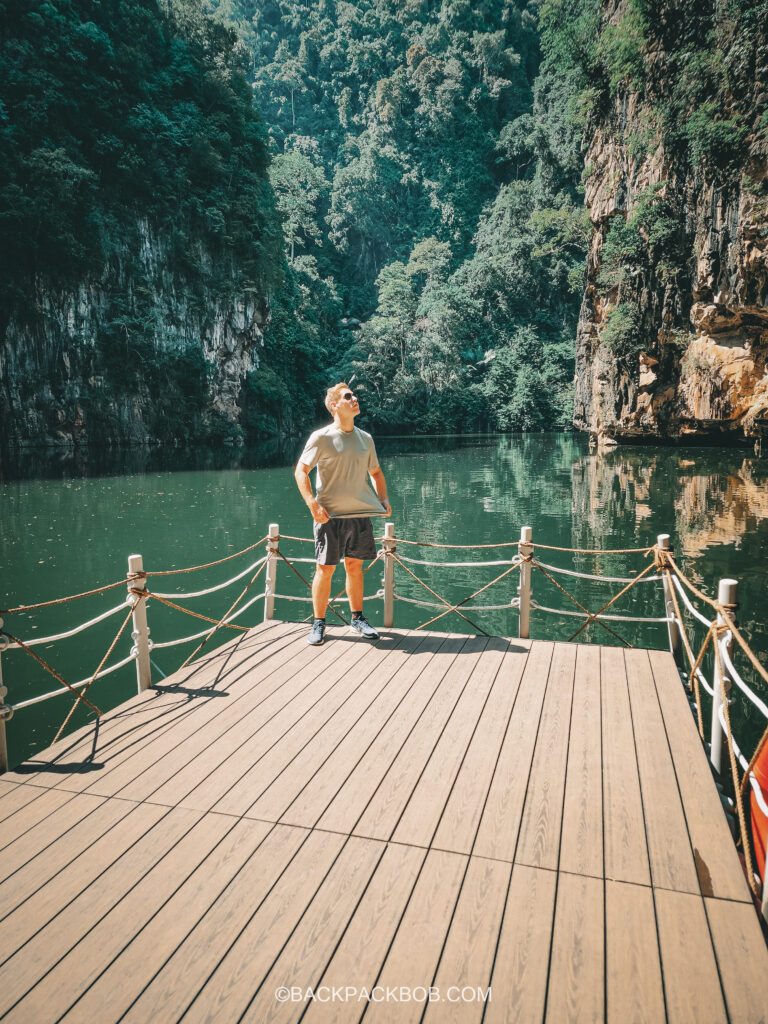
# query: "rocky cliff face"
x,y
691,358
135,356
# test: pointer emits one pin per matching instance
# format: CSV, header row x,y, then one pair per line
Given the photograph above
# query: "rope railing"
x,y
559,570
75,686
680,601
133,607
736,678
721,631
212,590
37,641
611,618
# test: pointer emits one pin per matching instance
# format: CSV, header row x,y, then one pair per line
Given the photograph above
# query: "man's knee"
x,y
354,566
324,571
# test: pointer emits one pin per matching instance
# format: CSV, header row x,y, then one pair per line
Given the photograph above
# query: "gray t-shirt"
x,y
344,460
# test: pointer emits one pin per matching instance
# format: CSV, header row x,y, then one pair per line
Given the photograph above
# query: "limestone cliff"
x,y
137,355
673,332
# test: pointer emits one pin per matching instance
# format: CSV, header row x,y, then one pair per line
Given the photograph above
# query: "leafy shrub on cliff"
x,y
621,332
712,138
621,48
651,238
623,252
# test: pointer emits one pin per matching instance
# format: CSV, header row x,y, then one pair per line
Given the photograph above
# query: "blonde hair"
x,y
333,394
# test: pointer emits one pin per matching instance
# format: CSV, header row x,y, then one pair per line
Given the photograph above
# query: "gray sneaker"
x,y
317,633
363,628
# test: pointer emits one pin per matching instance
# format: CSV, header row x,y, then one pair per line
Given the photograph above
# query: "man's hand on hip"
x,y
319,514
387,507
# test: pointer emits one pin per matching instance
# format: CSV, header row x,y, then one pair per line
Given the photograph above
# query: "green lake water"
x,y
69,526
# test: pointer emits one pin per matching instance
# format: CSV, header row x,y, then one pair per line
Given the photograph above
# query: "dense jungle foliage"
x,y
112,113
429,185
399,179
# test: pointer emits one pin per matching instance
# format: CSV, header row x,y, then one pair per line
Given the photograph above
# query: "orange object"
x,y
759,819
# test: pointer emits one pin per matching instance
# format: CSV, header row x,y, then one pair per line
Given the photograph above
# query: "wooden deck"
x,y
433,810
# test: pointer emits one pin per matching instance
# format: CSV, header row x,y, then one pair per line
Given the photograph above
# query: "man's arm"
x,y
301,475
381,489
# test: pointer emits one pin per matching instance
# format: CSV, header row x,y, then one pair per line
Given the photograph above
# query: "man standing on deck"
x,y
345,456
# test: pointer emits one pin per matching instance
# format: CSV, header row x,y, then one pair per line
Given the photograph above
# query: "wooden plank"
x,y
277,752
177,981
31,814
576,989
304,957
36,839
626,853
500,822
467,959
71,975
519,978
422,813
282,787
77,750
222,762
127,975
403,667
742,959
48,900
415,951
691,983
14,796
354,795
383,812
308,677
214,740
669,848
717,863
634,991
581,848
461,816
540,828
123,773
75,843
56,937
230,988
360,954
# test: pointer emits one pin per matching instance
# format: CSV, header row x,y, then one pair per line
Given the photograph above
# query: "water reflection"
x,y
67,463
705,498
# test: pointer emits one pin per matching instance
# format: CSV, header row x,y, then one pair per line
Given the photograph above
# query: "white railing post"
x,y
140,632
727,592
389,548
525,548
673,628
269,587
5,711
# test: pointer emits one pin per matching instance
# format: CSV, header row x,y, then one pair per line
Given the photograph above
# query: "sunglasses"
x,y
347,396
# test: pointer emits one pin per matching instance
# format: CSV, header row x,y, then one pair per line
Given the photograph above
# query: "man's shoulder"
x,y
364,434
318,435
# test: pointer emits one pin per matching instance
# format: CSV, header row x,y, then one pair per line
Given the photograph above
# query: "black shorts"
x,y
344,538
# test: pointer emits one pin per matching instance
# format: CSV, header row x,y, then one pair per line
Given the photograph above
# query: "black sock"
x,y
320,620
357,615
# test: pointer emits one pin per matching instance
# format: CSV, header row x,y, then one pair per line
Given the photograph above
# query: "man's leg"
x,y
359,624
321,589
354,567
